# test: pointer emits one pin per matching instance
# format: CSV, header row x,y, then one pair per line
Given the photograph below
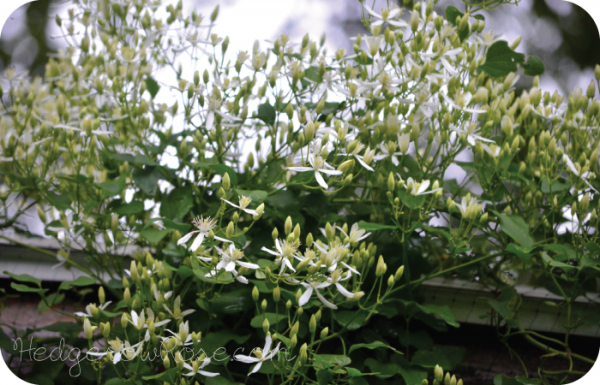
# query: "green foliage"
x,y
285,199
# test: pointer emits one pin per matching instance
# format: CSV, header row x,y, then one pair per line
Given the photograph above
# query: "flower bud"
x,y
414,21
288,304
266,325
309,240
312,325
214,14
399,273
391,183
438,373
324,333
263,304
447,379
293,341
288,225
276,294
584,203
229,230
303,354
381,267
453,380
88,329
101,295
346,165
484,219
295,328
226,182
275,233
390,281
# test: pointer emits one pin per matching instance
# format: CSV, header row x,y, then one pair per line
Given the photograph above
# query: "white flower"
x,y
314,286
229,258
336,278
332,254
318,166
285,250
195,368
386,16
88,311
356,234
416,188
244,202
177,313
261,355
577,171
471,132
118,349
361,158
469,207
204,226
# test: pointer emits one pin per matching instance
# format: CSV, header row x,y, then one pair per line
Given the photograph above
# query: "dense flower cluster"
x,y
291,138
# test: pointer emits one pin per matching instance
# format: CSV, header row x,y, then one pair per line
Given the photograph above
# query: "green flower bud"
x,y
312,325
324,333
229,230
260,210
438,373
266,325
303,354
263,305
453,380
293,341
391,281
309,240
288,225
288,304
447,379
295,328
381,267
391,183
255,294
226,182
88,329
105,329
214,14
584,203
275,233
276,294
597,72
297,231
101,295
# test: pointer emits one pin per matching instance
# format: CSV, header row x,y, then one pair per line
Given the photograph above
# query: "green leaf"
x,y
324,376
221,169
152,86
522,252
266,113
501,308
554,263
154,235
557,186
383,370
112,187
534,66
501,379
133,207
324,361
273,319
51,300
351,319
352,372
63,327
147,179
61,202
372,345
374,226
515,227
26,289
412,376
448,357
255,195
178,203
500,60
232,302
442,311
452,13
23,278
80,281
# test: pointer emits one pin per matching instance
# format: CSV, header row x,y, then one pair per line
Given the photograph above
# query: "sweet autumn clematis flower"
x,y
261,355
204,226
244,202
318,166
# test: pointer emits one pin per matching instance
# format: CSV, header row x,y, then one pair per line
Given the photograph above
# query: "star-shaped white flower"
x,y
229,258
244,202
314,286
285,250
261,355
356,235
416,188
318,166
195,368
204,226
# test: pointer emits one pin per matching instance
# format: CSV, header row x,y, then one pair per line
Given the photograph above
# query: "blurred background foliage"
x,y
562,34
